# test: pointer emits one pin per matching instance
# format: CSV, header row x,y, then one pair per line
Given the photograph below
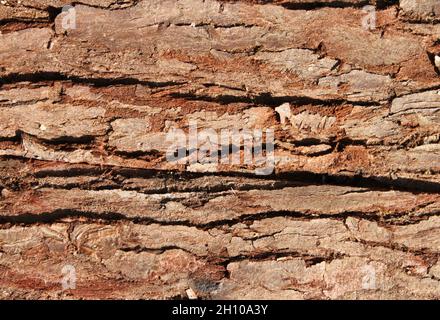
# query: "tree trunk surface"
x,y
92,207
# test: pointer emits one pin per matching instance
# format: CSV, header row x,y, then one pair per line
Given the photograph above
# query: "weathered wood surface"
x,y
85,182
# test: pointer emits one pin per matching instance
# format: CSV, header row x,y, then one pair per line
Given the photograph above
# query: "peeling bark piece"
x,y
304,63
424,103
421,10
42,10
24,95
26,51
360,86
54,123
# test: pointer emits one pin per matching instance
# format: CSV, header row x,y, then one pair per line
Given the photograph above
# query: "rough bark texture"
x,y
84,116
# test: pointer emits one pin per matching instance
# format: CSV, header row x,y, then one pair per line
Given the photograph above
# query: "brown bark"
x,y
85,182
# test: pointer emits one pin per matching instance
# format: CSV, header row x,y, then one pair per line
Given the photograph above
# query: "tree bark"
x,y
350,211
